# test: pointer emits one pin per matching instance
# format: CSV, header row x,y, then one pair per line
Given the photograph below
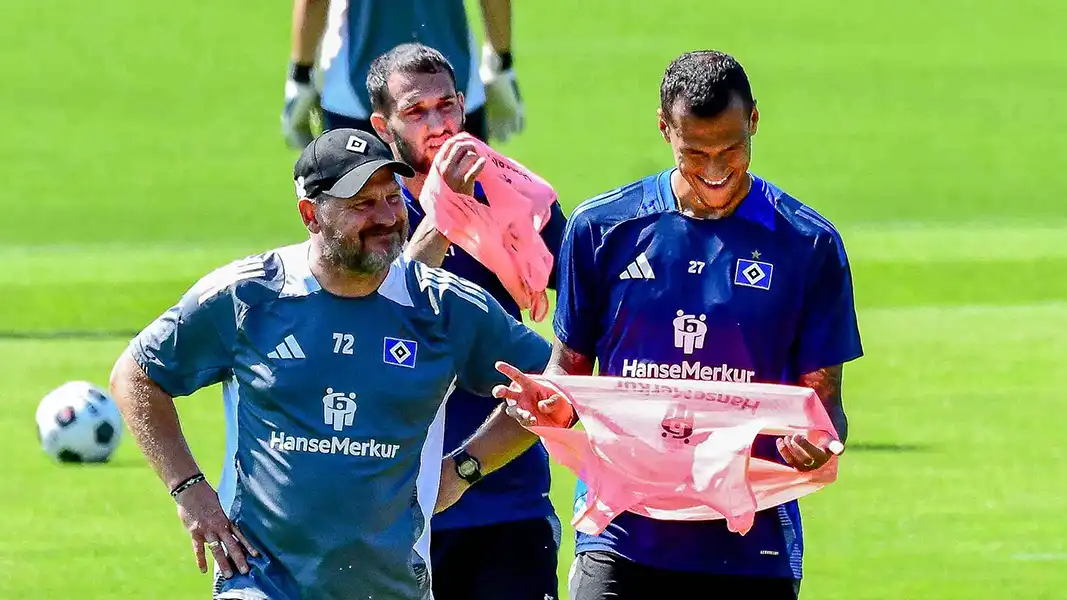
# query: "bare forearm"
x,y
497,16
827,384
427,245
153,420
309,21
565,361
498,441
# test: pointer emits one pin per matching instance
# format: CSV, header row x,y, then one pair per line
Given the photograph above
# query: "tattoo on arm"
x,y
566,361
827,384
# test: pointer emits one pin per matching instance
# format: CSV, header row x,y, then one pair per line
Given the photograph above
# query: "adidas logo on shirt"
x,y
638,269
287,349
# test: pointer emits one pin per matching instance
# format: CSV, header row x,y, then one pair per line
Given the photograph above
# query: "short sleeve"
x,y
578,317
829,332
190,346
489,335
552,236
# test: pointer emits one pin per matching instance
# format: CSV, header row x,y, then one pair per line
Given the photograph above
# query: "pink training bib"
x,y
680,450
505,234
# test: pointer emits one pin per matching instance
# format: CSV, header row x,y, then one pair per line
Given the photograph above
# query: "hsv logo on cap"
x,y
355,144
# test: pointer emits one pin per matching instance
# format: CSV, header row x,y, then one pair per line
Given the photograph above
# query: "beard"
x,y
352,255
420,161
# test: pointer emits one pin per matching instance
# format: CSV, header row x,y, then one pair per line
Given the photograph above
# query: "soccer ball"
x,y
78,422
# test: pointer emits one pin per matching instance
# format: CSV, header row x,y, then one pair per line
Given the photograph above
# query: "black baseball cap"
x,y
339,163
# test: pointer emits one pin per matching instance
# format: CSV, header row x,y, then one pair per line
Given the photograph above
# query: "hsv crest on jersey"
x,y
338,409
401,353
753,273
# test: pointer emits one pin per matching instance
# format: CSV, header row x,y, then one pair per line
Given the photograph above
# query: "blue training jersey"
x,y
763,295
519,490
357,32
334,412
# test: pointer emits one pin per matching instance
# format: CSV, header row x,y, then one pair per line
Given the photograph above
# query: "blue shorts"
x,y
597,574
505,561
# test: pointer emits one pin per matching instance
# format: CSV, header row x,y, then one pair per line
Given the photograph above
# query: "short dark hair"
x,y
706,81
405,58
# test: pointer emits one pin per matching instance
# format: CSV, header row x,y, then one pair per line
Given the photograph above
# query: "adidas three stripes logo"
x,y
638,269
287,349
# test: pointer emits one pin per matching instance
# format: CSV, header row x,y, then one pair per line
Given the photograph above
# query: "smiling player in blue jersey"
x,y
501,540
704,271
336,357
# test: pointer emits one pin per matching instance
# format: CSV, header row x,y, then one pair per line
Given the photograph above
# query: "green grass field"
x,y
141,149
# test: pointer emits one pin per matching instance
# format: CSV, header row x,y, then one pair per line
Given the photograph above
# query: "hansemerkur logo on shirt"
x,y
689,331
338,412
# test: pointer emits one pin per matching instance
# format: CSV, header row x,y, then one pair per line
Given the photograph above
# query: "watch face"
x,y
467,468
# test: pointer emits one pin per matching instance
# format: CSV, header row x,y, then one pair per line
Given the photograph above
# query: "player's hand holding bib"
x,y
676,450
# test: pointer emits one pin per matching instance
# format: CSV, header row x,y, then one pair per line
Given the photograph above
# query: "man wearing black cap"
x,y
335,357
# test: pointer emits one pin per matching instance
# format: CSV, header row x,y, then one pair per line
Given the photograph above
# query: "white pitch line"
x,y
1039,557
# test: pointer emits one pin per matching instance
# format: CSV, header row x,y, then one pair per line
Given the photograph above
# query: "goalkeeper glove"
x,y
504,110
301,99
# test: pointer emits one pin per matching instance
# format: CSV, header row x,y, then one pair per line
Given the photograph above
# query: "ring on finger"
x,y
213,544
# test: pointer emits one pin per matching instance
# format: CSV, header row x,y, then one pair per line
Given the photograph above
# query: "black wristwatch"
x,y
467,467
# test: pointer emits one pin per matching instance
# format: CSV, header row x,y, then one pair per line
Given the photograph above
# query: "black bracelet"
x,y
188,483
300,73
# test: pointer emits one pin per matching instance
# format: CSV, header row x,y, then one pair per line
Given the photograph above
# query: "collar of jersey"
x,y
756,206
300,281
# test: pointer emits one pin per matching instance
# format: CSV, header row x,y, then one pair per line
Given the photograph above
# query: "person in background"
x,y
501,540
344,37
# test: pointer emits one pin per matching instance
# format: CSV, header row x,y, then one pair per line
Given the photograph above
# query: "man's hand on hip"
x,y
202,515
